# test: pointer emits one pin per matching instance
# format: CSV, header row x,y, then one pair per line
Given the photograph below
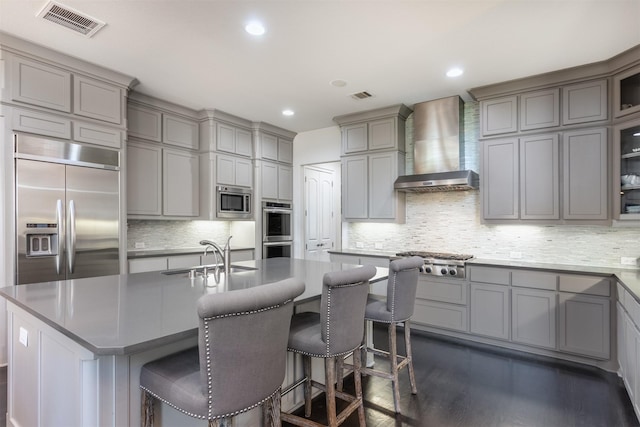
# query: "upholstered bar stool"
x,y
335,331
240,360
396,308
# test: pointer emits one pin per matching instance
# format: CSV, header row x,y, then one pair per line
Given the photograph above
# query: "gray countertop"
x,y
128,313
147,253
628,277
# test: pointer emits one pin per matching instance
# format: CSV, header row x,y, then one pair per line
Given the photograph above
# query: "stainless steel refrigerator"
x,y
67,210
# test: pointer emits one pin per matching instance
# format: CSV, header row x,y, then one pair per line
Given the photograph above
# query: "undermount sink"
x,y
199,269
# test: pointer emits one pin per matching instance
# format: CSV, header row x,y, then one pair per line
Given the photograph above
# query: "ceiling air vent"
x,y
361,95
70,18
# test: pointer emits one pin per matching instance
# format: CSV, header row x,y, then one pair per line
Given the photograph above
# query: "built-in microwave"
x,y
233,202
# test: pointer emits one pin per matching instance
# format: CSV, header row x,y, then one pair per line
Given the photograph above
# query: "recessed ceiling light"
x,y
455,72
255,28
288,112
338,83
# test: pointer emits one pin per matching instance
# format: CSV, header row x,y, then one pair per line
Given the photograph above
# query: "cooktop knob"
x,y
452,272
428,269
444,271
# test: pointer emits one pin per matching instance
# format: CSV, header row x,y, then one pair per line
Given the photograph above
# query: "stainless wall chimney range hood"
x,y
438,134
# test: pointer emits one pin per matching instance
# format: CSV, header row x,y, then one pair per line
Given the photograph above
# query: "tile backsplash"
x,y
450,222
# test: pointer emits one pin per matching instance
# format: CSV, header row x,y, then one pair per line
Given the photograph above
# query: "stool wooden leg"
x,y
306,362
393,359
407,341
357,379
330,392
271,411
339,373
146,409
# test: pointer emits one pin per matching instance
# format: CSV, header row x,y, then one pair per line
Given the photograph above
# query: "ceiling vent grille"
x,y
361,95
70,18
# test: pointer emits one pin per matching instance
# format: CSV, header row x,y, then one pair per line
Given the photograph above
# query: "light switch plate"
x,y
629,260
515,255
377,245
24,337
139,245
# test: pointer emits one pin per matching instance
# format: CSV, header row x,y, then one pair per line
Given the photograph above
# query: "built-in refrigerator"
x,y
67,210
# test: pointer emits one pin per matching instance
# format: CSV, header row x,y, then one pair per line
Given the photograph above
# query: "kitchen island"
x,y
76,346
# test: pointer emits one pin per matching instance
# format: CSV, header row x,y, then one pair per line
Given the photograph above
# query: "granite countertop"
x,y
157,252
127,313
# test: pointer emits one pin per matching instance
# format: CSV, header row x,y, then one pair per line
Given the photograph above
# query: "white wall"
x,y
317,147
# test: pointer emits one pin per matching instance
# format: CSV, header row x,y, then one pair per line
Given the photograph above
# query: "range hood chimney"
x,y
438,134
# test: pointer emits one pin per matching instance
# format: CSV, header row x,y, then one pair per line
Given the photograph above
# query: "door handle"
x,y
71,236
61,236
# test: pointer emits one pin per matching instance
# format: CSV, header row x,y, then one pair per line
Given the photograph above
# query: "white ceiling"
x,y
197,54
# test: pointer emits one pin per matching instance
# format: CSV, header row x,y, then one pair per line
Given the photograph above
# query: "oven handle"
x,y
286,243
282,211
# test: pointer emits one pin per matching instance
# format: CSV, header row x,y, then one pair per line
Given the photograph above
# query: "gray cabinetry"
x,y
539,177
540,109
276,148
442,304
500,179
234,140
144,179
585,174
373,135
144,123
277,181
40,84
584,325
533,317
626,92
97,134
41,123
368,191
180,131
180,183
490,310
584,102
233,170
499,116
626,170
97,100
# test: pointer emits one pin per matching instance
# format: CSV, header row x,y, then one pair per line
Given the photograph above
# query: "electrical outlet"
x,y
377,245
359,245
629,260
139,245
515,255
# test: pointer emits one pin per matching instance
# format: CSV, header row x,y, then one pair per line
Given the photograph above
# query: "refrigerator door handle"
x,y
60,221
71,236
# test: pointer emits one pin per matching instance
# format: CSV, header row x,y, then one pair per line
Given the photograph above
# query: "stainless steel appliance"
x,y
67,210
233,202
441,263
277,238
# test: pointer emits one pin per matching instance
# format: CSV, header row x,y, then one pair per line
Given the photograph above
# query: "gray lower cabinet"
x,y
442,304
533,317
490,310
584,325
378,288
628,336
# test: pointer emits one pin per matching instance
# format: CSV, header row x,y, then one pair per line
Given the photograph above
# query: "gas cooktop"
x,y
441,263
444,256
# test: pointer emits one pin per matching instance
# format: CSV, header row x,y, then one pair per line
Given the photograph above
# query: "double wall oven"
x,y
277,237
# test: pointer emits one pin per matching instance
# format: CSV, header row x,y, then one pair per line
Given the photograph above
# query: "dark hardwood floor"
x,y
473,385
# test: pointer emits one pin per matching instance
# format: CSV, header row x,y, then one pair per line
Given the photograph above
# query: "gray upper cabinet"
x,y
276,148
232,170
180,132
540,109
500,174
233,140
584,102
499,116
539,177
277,181
144,123
144,179
355,187
40,84
180,183
97,100
626,92
586,190
374,135
354,138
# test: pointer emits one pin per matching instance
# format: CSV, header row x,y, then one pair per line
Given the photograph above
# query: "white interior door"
x,y
320,224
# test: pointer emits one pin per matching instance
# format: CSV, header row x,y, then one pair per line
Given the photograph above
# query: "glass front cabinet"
x,y
627,170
